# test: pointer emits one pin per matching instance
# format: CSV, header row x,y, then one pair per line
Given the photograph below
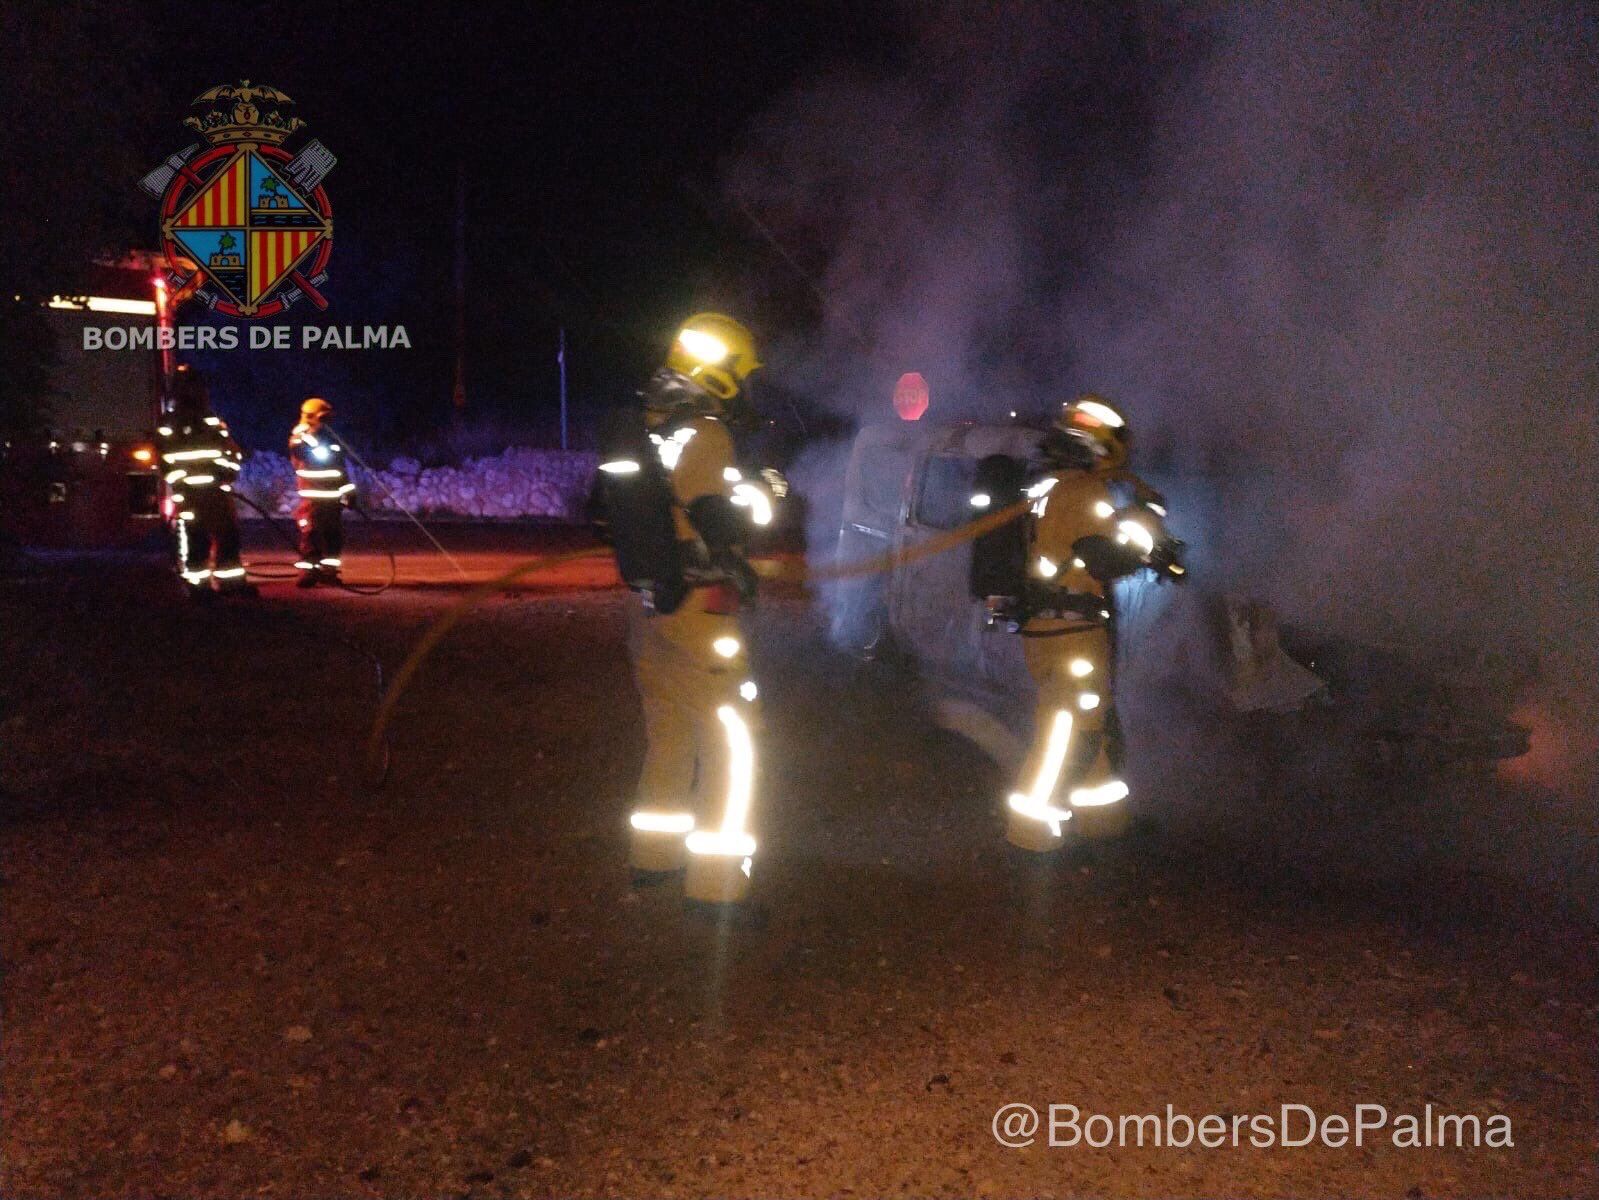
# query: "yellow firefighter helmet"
x,y
1092,421
714,351
316,409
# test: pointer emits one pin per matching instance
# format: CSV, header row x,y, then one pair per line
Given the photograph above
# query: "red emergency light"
x,y
910,396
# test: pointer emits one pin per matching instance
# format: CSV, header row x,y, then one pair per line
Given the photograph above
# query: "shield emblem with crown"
x,y
246,225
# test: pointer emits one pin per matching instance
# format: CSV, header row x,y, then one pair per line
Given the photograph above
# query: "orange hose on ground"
x,y
875,565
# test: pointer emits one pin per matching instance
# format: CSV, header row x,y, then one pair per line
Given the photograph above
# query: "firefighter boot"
x,y
1034,820
1099,800
718,867
1040,832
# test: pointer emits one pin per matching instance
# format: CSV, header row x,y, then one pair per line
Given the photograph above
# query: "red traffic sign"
x,y
910,396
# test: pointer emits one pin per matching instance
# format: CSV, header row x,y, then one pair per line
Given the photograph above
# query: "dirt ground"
x,y
232,968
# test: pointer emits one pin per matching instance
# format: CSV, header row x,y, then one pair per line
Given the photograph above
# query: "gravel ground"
x,y
234,969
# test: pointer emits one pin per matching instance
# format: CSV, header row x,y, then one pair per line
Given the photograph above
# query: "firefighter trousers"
x,y
700,715
1068,765
321,525
208,541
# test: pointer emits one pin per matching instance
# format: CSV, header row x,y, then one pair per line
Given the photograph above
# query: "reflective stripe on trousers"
x,y
699,714
1072,672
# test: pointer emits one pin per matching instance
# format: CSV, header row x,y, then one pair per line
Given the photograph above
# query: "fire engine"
x,y
90,479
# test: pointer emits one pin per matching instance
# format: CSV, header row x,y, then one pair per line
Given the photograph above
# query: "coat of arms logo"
x,y
246,226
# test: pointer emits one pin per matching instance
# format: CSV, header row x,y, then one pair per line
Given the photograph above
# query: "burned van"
x,y
906,484
911,483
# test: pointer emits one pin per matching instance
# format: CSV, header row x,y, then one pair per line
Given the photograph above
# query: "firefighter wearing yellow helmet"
x,y
716,354
323,482
679,538
1092,522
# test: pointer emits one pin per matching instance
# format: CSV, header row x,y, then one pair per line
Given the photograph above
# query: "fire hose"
x,y
366,516
379,752
277,529
877,564
378,479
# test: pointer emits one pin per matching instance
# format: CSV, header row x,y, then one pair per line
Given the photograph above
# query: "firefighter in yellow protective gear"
x,y
200,462
1082,540
689,655
324,486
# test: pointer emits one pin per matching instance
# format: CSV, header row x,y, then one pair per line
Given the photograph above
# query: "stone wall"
x,y
519,482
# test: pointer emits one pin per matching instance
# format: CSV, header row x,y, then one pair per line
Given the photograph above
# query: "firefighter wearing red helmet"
x,y
323,483
200,463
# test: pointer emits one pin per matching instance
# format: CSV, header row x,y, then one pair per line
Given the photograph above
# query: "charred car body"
x,y
908,483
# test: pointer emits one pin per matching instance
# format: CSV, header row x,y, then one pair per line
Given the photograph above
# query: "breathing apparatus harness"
x,y
636,507
1000,575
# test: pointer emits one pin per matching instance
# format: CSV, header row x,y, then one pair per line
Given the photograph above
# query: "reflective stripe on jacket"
x,y
320,472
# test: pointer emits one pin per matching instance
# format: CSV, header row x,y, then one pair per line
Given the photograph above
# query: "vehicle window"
x,y
881,476
945,499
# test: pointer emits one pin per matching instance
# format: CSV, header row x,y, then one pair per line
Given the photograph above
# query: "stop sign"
x,y
910,396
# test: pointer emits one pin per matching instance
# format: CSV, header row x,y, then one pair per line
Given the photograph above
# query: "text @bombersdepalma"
x,y
1068,1126
254,337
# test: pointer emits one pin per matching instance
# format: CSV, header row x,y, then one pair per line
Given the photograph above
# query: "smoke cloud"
x,y
935,206
1337,264
1357,292
1335,261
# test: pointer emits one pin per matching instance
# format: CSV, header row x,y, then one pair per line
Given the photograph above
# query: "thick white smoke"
x,y
1336,261
1358,288
913,200
1358,285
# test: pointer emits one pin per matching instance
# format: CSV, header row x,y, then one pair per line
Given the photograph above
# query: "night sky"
x,y
589,138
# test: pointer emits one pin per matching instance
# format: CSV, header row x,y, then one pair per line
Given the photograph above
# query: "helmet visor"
x,y
1091,414
702,347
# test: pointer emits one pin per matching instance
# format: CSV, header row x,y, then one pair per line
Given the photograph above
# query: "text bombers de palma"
x,y
255,337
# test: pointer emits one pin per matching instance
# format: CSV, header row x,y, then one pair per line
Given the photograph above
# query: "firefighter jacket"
x,y
199,456
1083,540
710,527
320,472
